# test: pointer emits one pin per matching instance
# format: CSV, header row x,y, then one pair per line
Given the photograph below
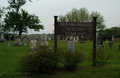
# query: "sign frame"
x,y
62,25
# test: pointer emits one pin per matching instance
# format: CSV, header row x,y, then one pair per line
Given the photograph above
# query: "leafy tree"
x,y
107,32
2,11
19,20
100,21
82,15
24,20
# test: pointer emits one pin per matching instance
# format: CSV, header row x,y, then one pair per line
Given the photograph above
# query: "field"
x,y
10,57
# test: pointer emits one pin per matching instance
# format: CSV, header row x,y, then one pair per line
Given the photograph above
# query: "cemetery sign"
x,y
75,29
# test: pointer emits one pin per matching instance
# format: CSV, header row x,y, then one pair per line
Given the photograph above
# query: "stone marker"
x,y
106,41
99,39
33,45
44,39
17,41
9,43
82,39
1,37
113,38
71,46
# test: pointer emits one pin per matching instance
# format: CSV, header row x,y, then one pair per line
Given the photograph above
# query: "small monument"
x,y
82,39
44,39
33,45
106,41
17,41
77,39
112,38
71,38
25,41
99,39
71,46
9,43
1,35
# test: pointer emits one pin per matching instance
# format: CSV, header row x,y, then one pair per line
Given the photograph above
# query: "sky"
x,y
47,9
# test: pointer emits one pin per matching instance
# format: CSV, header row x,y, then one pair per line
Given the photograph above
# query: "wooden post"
x,y
94,40
55,34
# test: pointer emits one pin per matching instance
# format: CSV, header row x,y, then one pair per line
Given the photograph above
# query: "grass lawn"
x,y
11,55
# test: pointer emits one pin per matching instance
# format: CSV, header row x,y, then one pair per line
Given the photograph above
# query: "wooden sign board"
x,y
74,28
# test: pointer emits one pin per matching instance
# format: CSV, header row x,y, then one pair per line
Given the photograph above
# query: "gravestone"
x,y
88,39
9,37
9,43
33,45
39,40
74,39
106,41
44,39
17,41
49,38
113,38
66,39
71,46
77,39
99,40
58,38
71,38
82,39
1,37
25,41
110,44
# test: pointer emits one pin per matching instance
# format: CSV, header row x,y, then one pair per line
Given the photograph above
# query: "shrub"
x,y
43,61
101,58
71,60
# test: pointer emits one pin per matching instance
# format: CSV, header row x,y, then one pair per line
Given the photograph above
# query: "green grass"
x,y
11,55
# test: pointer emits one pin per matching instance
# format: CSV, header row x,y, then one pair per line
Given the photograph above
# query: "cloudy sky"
x,y
47,9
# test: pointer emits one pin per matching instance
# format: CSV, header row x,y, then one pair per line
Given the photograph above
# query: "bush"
x,y
101,58
71,60
43,61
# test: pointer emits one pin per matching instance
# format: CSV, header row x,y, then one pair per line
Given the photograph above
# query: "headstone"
x,y
110,44
71,38
58,38
39,40
82,39
1,37
77,39
65,39
71,46
113,38
17,41
25,41
106,41
88,39
33,45
74,39
49,38
99,40
9,43
44,39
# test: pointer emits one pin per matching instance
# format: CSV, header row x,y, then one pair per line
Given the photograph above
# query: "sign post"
x,y
55,34
94,41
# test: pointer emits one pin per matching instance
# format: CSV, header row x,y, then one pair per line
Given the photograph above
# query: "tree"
x,y
2,11
24,21
82,15
19,20
100,21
